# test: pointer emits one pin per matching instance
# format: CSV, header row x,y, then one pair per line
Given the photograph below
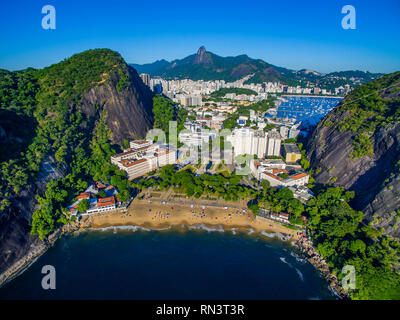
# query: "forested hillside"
x,y
57,132
356,147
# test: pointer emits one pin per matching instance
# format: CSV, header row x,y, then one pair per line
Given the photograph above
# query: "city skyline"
x,y
290,35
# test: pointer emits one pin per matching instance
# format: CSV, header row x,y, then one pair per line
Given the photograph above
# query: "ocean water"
x,y
135,263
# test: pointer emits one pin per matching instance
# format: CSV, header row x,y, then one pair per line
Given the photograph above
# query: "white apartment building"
x,y
299,179
258,167
274,143
143,158
197,138
248,141
137,144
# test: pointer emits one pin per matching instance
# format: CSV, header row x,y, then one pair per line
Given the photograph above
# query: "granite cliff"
x,y
357,146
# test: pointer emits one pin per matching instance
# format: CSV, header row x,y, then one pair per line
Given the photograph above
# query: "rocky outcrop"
x,y
310,253
202,56
374,177
15,238
129,112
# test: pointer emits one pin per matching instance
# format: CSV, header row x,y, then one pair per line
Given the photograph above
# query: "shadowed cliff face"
x,y
374,178
129,112
15,237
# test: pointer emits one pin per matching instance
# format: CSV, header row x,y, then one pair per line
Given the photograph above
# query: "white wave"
x,y
202,226
116,228
297,257
284,261
251,231
300,274
290,265
274,234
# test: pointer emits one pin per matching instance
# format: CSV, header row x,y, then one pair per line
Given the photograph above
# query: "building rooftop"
x,y
140,141
272,161
291,148
125,153
135,163
299,176
274,135
102,202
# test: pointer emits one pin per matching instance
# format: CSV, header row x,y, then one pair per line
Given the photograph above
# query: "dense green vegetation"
x,y
280,200
81,147
366,109
165,110
342,239
228,188
362,146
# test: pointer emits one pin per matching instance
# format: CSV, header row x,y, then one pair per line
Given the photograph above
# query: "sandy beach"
x,y
158,215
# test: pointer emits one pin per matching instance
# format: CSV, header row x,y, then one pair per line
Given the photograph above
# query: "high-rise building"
x,y
248,141
274,144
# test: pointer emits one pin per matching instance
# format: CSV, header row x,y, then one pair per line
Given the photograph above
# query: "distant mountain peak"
x,y
202,56
201,50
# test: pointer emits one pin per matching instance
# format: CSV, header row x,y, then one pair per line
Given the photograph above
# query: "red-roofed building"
x,y
281,217
84,195
106,202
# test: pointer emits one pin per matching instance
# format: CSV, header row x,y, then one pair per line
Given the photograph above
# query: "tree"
x,y
83,206
124,195
164,112
254,208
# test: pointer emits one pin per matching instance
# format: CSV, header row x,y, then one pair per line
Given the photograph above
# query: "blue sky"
x,y
292,34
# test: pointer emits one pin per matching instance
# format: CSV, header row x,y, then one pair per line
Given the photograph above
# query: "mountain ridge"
x,y
205,65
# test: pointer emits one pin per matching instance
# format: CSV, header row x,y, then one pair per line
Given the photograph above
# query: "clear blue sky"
x,y
291,33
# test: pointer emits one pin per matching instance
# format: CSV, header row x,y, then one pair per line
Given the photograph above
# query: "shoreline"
x,y
171,216
156,216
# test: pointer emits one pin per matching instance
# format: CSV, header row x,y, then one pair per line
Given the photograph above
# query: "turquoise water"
x,y
142,264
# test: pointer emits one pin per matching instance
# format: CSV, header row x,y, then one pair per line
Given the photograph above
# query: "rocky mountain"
x,y
55,126
129,111
357,145
205,65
